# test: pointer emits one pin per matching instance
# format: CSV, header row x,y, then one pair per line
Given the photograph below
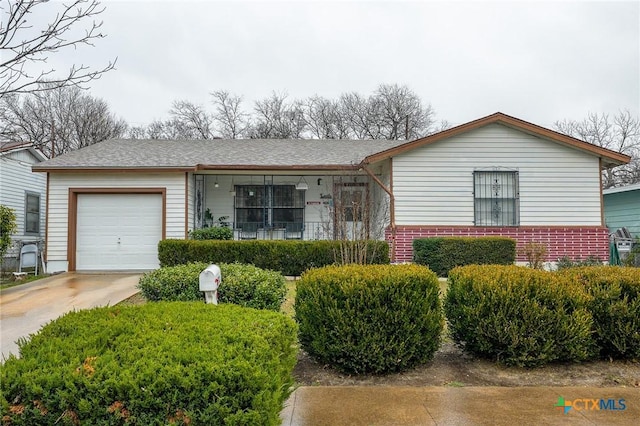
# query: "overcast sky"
x,y
538,61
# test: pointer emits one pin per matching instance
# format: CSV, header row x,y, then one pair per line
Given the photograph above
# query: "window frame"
x,y
492,182
27,213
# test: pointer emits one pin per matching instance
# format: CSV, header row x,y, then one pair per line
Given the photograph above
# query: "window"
x,y
32,213
269,205
496,198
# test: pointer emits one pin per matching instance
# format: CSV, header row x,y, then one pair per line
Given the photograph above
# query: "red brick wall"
x,y
575,242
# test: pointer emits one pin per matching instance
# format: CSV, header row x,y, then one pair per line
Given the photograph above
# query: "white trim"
x,y
627,188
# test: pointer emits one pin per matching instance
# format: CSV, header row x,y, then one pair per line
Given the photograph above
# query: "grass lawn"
x,y
7,281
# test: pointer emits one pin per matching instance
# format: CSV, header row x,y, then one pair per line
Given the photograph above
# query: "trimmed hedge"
x,y
244,285
212,233
158,363
287,257
615,307
519,316
369,319
441,254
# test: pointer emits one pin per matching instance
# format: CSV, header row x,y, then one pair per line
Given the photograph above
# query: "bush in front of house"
x,y
212,233
244,285
518,316
615,307
369,318
287,257
441,254
157,363
566,262
8,226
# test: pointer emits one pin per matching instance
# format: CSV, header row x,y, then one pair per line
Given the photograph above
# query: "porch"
x,y
289,207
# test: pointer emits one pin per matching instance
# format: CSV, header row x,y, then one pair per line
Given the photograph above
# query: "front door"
x,y
351,211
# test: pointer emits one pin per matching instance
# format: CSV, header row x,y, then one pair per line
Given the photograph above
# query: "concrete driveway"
x,y
24,309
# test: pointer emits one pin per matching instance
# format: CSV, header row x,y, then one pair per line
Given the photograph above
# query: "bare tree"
x,y
277,119
190,121
323,118
186,121
359,113
58,120
232,121
400,114
391,112
26,48
137,132
619,133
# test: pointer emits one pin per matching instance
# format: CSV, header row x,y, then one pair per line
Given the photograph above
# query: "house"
x,y
24,192
622,208
110,203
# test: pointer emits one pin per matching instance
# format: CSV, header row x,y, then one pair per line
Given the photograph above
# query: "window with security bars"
x,y
269,205
496,198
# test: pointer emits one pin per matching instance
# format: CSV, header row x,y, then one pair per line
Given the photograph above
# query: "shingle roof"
x,y
271,154
219,154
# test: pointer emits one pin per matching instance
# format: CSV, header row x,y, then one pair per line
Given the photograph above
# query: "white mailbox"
x,y
209,282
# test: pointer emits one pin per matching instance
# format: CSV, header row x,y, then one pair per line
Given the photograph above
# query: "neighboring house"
x,y
110,203
622,208
24,192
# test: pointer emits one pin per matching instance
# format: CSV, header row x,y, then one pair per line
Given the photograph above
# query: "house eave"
x,y
306,168
38,169
619,189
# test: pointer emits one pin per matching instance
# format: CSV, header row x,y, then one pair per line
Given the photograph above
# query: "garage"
x,y
118,231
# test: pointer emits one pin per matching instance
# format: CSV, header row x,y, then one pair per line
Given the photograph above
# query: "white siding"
x,y
433,185
16,178
59,184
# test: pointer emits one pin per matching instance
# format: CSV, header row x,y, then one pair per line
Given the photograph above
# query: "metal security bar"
x,y
496,198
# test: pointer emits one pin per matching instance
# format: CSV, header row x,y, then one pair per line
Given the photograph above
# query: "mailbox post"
x,y
209,283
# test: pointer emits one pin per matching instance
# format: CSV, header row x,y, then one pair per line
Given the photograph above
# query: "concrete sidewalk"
x,y
391,405
25,308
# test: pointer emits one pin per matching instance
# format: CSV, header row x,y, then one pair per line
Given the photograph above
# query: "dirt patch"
x,y
451,367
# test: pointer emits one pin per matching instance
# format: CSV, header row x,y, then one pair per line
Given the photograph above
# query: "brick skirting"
x,y
577,242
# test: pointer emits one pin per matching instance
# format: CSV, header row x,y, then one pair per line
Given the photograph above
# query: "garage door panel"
x,y
118,231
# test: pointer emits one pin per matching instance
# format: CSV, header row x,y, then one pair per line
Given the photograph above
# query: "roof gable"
x,y
610,158
8,148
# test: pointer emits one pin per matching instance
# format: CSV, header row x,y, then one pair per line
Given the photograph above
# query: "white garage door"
x,y
118,231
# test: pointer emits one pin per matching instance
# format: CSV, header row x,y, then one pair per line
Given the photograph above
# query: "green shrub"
x,y
518,316
633,258
7,227
244,285
566,262
212,233
287,257
158,363
369,319
442,254
615,307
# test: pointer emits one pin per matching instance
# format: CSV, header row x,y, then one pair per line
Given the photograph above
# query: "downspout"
x,y
392,206
600,170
